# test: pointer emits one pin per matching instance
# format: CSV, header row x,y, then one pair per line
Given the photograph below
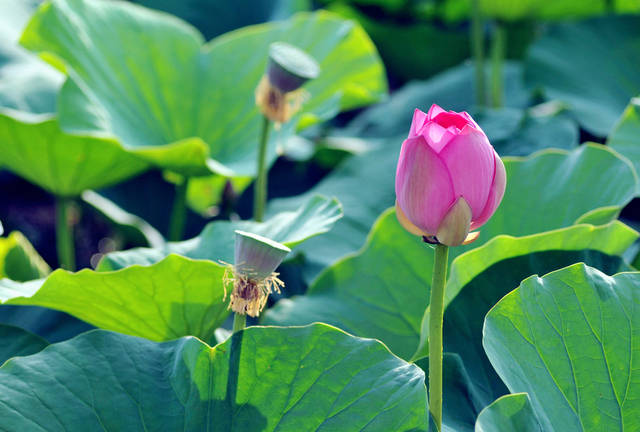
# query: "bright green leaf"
x,y
216,242
569,339
19,260
172,298
15,342
591,65
184,105
35,148
262,379
508,414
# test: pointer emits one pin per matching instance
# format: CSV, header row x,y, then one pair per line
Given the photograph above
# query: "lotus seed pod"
x,y
290,67
278,95
257,257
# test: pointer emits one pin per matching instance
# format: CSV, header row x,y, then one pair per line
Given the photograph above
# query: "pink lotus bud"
x,y
449,179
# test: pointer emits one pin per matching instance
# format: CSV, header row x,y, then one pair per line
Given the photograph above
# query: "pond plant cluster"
x,y
354,215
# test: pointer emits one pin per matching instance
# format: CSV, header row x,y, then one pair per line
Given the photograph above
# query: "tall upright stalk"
x,y
260,191
436,307
64,234
477,49
178,211
498,52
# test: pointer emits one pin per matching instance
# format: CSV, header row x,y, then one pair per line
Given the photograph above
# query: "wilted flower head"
x,y
253,274
278,95
449,179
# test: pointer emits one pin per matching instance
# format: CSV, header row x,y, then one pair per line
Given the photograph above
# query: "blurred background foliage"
x,y
556,74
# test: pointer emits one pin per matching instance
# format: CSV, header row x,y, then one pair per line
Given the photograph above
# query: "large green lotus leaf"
x,y
19,260
228,15
35,148
509,413
592,66
464,317
389,303
15,341
175,297
625,138
216,242
184,105
261,379
570,340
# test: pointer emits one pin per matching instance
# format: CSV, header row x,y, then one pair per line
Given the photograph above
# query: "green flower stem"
x,y
179,211
477,48
239,322
260,191
64,234
436,307
498,51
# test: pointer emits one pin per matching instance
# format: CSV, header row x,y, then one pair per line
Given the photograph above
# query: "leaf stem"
x,y
498,51
260,191
64,234
477,48
178,211
239,322
436,307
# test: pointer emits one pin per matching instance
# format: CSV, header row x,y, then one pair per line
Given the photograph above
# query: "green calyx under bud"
x,y
257,257
290,67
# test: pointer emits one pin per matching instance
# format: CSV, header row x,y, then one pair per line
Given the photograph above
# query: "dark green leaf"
x,y
15,342
569,339
272,379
